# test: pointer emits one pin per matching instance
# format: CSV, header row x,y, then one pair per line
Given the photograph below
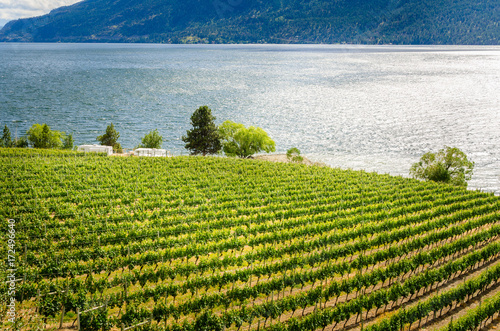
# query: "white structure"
x,y
150,152
96,149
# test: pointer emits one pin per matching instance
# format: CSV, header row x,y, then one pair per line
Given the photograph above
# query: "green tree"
x,y
68,142
110,138
237,140
6,140
204,138
151,140
21,142
293,155
449,165
41,136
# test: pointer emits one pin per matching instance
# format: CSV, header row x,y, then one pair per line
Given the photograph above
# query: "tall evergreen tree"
x,y
6,140
204,138
110,138
68,142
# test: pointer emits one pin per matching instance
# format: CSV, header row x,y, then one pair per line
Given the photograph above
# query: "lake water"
x,y
377,108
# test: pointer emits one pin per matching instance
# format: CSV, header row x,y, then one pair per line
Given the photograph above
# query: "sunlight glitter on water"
x,y
372,108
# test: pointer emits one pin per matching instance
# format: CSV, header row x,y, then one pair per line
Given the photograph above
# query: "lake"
x,y
377,108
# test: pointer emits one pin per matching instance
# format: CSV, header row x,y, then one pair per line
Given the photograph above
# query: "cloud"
x,y
14,9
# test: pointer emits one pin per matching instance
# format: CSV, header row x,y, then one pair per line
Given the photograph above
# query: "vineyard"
x,y
194,243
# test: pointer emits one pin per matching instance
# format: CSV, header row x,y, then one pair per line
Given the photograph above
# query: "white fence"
x,y
96,149
151,152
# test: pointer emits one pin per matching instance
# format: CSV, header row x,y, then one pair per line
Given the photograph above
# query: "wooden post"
x,y
62,316
78,317
37,299
125,294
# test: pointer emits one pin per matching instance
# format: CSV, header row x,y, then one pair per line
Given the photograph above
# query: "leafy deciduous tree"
x,y
41,136
244,142
151,140
204,138
21,142
449,165
293,155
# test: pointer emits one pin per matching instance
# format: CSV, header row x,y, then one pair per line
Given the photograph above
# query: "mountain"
x,y
272,21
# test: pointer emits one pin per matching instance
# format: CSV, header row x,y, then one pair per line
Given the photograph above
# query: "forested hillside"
x,y
212,243
255,21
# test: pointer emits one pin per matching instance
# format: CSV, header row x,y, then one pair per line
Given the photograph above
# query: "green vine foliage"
x,y
96,320
223,243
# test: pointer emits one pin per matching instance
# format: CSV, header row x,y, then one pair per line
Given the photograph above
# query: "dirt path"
x,y
284,159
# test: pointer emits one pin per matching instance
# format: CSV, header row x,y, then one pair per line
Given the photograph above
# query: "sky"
x,y
14,9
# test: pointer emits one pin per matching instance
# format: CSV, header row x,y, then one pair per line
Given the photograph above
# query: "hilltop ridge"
x,y
257,21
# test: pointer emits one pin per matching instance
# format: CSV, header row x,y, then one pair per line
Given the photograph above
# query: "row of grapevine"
x,y
188,243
